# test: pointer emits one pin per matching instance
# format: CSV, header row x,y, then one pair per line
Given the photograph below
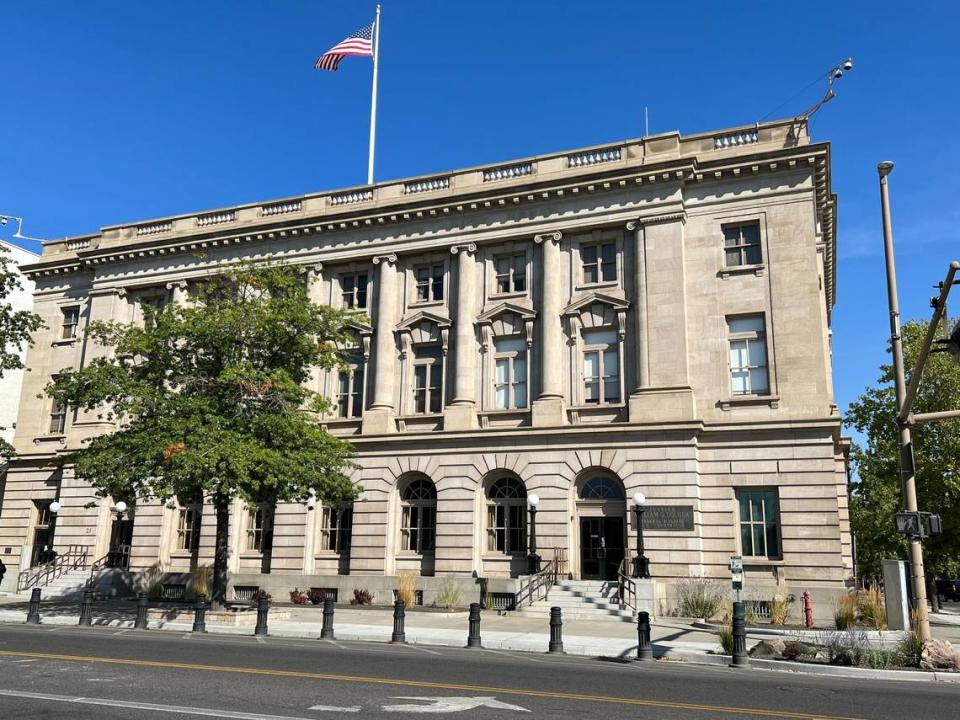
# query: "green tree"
x,y
16,328
211,399
876,495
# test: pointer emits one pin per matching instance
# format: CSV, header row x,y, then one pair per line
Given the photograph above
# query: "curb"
x,y
882,636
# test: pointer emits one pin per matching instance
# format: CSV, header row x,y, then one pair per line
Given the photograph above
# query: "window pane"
x,y
438,282
773,545
744,507
751,323
589,254
759,548
759,381
502,368
520,369
591,365
739,382
505,345
738,354
520,394
590,274
503,283
746,540
610,361
758,353
503,266
753,255
731,236
608,252
733,257
599,337
750,233
756,507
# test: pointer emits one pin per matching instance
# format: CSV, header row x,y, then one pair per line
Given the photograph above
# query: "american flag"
x,y
359,43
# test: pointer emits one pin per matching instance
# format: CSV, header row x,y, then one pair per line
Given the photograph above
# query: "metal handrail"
x,y
627,589
537,586
74,558
118,557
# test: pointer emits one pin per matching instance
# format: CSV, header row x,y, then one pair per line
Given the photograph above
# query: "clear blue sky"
x,y
118,111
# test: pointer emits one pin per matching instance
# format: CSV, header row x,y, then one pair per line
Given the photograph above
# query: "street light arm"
x,y
940,304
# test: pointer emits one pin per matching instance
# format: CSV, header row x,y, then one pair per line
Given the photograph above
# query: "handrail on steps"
x,y
537,586
74,558
627,587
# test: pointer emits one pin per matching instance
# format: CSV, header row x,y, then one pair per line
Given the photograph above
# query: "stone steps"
x,y
582,600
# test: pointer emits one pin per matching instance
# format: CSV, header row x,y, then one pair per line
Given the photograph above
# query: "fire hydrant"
x,y
807,610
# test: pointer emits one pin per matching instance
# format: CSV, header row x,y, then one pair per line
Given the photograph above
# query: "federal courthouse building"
x,y
648,316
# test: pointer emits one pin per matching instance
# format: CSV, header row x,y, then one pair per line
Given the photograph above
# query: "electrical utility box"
x,y
895,594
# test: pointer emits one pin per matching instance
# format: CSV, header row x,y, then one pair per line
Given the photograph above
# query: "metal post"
x,y
908,481
263,609
33,614
399,614
644,648
740,658
641,565
86,616
326,632
200,614
533,560
141,622
556,630
473,636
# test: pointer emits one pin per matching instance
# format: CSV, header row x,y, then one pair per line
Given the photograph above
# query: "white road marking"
x,y
511,655
414,647
182,710
260,639
437,705
334,708
332,642
121,632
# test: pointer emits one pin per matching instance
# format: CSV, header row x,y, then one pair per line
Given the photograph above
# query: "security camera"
x,y
848,64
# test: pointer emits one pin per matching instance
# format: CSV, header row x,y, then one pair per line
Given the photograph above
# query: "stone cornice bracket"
x,y
466,248
544,237
390,258
655,219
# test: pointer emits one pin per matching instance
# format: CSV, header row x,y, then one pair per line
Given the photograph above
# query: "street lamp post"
x,y
641,565
533,560
115,555
908,484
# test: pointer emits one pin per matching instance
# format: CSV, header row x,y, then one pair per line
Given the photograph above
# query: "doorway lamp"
x,y
641,565
533,560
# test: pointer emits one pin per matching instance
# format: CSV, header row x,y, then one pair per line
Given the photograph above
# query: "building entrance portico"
x,y
601,527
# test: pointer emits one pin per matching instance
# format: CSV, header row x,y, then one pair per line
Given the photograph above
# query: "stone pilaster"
x,y
178,292
379,417
663,391
548,409
461,414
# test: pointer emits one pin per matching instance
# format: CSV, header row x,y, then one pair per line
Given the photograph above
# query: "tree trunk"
x,y
222,505
932,592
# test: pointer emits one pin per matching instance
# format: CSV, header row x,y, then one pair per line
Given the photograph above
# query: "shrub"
x,y
699,597
200,580
260,593
725,636
751,616
845,612
316,596
911,647
406,588
361,597
488,601
780,609
872,609
449,595
297,597
939,655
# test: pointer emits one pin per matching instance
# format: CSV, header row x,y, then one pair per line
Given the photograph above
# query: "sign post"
x,y
736,573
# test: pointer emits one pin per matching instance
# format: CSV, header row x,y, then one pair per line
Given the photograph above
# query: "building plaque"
x,y
668,517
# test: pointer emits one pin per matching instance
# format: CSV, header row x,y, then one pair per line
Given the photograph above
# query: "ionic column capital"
x,y
389,259
466,248
554,237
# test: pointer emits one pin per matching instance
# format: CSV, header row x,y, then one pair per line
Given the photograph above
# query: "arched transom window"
x,y
600,487
418,520
507,516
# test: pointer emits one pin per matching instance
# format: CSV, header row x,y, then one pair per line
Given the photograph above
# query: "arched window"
x,y
418,521
602,488
507,516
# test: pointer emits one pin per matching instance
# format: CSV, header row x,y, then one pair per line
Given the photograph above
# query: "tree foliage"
x,y
876,496
16,328
212,398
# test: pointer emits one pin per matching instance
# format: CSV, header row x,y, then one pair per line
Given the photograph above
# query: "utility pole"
x,y
908,481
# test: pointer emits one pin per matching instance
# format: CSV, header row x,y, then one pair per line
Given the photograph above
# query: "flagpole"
x,y
373,100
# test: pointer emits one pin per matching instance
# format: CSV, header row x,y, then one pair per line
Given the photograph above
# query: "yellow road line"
x,y
759,712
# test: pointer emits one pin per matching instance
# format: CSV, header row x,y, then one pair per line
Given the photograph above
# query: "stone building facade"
x,y
651,315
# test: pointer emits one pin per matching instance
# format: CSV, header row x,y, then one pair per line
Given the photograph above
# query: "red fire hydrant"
x,y
807,610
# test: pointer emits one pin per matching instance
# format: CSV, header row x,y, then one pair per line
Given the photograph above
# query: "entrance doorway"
x,y
121,536
601,547
43,533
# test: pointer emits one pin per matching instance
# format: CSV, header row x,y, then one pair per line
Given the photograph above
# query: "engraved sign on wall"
x,y
668,517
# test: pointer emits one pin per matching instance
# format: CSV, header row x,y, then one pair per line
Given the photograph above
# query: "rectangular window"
x,y
507,528
58,418
427,381
353,290
599,262
741,244
601,367
430,283
511,273
350,395
418,528
759,523
260,529
335,529
71,319
510,373
188,527
748,356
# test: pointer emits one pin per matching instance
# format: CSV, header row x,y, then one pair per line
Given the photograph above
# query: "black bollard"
x,y
740,658
644,648
86,607
473,636
326,632
399,613
141,622
33,614
263,609
200,614
556,630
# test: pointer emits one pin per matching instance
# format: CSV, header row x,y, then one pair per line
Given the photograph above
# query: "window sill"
x,y
762,561
327,555
251,555
181,555
64,341
598,406
61,438
508,295
505,411
757,270
772,401
597,285
411,555
426,303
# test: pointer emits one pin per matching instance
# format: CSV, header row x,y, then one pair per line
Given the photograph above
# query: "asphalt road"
x,y
50,672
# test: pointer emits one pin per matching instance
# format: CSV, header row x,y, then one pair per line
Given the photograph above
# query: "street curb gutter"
x,y
821,670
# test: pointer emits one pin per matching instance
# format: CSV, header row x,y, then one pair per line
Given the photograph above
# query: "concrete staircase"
x,y
582,600
68,586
